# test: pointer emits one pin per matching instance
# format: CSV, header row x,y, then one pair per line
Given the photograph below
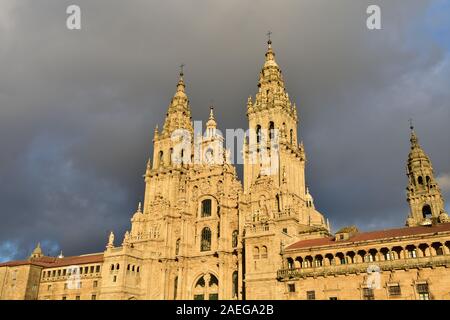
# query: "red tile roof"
x,y
372,235
53,262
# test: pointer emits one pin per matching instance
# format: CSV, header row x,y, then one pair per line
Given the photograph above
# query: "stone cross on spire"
x,y
268,34
181,69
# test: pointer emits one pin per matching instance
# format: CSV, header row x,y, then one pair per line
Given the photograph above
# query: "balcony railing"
x,y
295,273
258,229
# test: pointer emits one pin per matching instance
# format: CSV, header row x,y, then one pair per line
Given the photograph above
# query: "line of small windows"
x,y
70,271
130,267
393,291
371,255
71,285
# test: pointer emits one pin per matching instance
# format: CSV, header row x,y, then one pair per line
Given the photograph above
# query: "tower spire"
x,y
179,112
423,193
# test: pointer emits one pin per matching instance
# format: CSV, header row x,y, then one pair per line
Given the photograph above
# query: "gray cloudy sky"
x,y
78,108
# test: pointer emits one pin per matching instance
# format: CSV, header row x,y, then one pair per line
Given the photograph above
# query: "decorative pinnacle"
x,y
181,69
269,42
139,209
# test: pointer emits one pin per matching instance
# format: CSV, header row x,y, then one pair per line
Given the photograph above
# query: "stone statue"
x,y
111,240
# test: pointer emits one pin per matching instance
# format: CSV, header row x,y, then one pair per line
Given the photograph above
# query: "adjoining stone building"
x,y
202,234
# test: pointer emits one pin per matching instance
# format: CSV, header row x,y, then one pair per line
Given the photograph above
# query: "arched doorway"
x,y
206,288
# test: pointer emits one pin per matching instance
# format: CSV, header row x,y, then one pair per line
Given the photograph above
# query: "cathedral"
x,y
201,234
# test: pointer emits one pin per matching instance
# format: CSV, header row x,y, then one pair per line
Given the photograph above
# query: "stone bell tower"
x,y
423,193
276,206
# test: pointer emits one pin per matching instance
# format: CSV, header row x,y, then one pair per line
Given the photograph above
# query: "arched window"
x,y
271,130
255,253
161,158
258,134
177,247
206,208
175,288
264,252
171,156
235,284
234,239
205,244
420,180
112,267
117,266
290,263
291,135
426,211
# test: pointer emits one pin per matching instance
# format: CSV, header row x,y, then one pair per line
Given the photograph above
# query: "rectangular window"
x,y
65,285
79,285
95,284
291,287
368,294
94,297
64,298
285,230
49,287
77,298
310,295
64,272
394,290
199,297
206,208
422,290
97,269
333,298
92,269
114,278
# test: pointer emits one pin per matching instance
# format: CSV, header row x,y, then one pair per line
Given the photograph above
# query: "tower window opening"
x,y
271,130
235,281
426,211
420,180
205,244
291,135
258,134
161,158
277,203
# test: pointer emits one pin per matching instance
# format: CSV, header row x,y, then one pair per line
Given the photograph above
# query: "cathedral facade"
x,y
202,234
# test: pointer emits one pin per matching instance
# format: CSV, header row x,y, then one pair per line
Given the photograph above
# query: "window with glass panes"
x,y
310,295
422,291
394,290
368,294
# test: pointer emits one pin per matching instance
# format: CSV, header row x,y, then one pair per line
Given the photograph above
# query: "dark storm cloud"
x,y
78,108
